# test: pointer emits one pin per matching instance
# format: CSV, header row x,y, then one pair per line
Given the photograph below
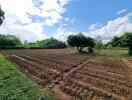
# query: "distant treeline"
x,y
13,42
79,41
122,42
46,44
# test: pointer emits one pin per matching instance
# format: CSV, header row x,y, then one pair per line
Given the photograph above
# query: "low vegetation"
x,y
14,85
46,44
13,42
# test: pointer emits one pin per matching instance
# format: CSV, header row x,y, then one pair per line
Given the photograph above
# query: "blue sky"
x,y
40,19
87,12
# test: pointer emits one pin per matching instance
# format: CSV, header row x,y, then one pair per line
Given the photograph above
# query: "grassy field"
x,y
113,52
14,85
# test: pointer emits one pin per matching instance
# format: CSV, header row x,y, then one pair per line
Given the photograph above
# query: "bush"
x,y
11,47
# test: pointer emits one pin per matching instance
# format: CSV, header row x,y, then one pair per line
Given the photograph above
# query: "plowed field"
x,y
76,76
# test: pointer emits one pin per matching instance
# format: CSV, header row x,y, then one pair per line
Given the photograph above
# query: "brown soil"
x,y
75,76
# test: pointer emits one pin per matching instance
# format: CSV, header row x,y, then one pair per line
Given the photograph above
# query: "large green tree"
x,y
9,40
127,39
90,44
116,41
1,16
77,41
80,41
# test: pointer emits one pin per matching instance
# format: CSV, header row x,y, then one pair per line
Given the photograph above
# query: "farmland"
x,y
14,85
73,76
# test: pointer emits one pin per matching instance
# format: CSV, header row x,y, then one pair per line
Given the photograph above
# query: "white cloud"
x,y
121,11
63,33
115,27
19,13
95,26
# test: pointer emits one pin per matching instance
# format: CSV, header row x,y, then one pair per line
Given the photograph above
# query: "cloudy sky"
x,y
40,19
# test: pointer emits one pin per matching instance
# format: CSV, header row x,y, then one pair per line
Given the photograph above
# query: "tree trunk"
x,y
130,50
90,50
79,49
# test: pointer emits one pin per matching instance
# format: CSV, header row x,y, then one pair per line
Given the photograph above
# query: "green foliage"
x,y
11,47
9,40
99,46
48,96
110,48
116,41
77,41
127,38
46,44
80,41
1,16
12,42
51,44
14,85
123,41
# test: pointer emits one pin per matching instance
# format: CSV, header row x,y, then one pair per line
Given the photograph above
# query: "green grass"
x,y
113,54
14,85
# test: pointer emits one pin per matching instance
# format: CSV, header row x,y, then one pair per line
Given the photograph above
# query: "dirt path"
x,y
55,87
76,68
128,64
125,60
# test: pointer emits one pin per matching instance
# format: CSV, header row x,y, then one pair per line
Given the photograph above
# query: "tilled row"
x,y
107,86
104,71
41,74
105,78
93,80
85,92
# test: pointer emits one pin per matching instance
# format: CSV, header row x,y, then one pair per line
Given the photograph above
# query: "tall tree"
x,y
127,38
80,41
90,44
9,40
77,41
1,16
116,41
99,45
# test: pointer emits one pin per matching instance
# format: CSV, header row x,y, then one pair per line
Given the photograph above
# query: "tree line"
x,y
50,43
124,41
1,16
79,41
13,42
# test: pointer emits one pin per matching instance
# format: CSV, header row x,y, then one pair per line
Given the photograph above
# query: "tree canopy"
x,y
127,38
80,41
48,44
122,41
9,40
1,16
